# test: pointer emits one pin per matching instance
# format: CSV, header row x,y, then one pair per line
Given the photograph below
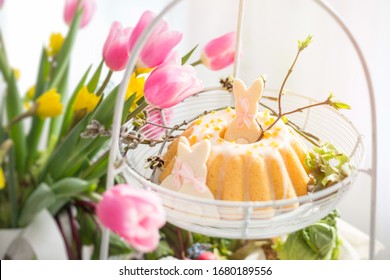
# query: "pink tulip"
x,y
159,44
1,3
88,7
156,119
219,53
170,84
133,214
116,48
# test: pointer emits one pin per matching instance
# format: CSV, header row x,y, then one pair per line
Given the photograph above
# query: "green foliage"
x,y
327,165
91,234
41,198
163,250
185,58
338,105
67,120
319,241
305,43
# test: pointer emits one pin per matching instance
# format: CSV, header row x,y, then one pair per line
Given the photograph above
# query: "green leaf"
x,y
92,85
338,105
63,56
4,66
97,170
37,126
185,58
327,165
118,246
57,206
319,241
72,187
85,147
55,123
69,108
41,198
55,165
304,44
43,75
2,131
162,250
105,110
14,108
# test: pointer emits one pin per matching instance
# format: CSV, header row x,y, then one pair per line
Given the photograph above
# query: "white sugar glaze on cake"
x,y
269,169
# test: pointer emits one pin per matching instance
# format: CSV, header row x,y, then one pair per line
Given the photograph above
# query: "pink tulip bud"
x,y
159,44
170,84
156,119
133,214
88,7
116,47
207,256
219,53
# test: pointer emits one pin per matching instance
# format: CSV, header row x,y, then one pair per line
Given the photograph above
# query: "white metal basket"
x,y
251,220
242,219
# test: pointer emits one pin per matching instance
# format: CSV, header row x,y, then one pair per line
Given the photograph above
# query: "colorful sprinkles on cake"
x,y
213,126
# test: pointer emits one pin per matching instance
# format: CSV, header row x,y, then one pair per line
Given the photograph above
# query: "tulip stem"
x,y
196,63
138,110
105,83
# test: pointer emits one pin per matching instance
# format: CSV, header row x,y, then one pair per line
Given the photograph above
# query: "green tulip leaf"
x,y
41,198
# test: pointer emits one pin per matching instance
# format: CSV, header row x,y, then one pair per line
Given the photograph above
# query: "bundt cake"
x,y
220,157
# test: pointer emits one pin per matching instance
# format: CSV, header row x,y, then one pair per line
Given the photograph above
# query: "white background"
x,y
271,30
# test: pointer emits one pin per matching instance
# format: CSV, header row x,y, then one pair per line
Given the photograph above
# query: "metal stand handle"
x,y
114,151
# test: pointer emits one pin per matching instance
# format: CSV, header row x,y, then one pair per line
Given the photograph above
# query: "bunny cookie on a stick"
x,y
244,128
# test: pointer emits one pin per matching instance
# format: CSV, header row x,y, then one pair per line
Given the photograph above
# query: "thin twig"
x,y
305,135
326,102
162,126
169,133
285,80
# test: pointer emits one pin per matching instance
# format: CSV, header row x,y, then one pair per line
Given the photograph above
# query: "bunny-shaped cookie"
x,y
189,175
190,170
244,128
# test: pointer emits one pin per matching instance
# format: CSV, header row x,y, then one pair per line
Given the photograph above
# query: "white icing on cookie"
x,y
189,174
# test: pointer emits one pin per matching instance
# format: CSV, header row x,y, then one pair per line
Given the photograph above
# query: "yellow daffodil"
x,y
29,97
2,179
30,93
86,100
49,104
136,85
55,44
16,73
140,71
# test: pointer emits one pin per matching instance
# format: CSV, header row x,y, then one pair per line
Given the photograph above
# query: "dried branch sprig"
x,y
95,129
329,101
307,135
227,83
301,46
169,135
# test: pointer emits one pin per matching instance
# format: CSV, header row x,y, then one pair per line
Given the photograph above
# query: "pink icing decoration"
x,y
243,116
182,172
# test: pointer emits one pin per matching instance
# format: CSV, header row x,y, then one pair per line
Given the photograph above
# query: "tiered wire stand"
x,y
247,220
